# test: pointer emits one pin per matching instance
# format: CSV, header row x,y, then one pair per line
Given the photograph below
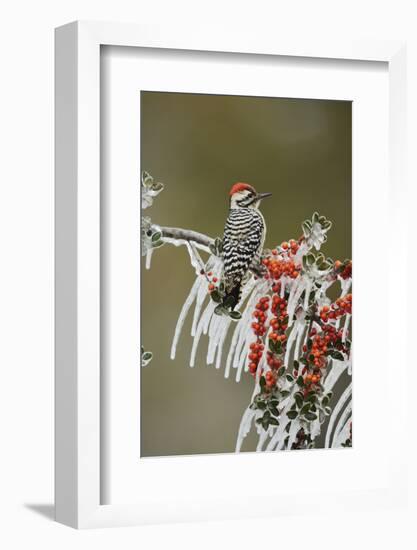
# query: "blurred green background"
x,y
199,145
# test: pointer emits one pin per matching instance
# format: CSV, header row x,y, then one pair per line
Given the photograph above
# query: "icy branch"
x,y
187,235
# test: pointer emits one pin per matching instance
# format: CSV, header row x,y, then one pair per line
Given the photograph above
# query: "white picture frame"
x,y
78,501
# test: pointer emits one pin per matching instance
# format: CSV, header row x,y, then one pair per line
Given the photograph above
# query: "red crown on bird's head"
x,y
241,187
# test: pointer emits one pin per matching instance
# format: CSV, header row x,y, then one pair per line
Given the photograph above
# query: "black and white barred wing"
x,y
242,241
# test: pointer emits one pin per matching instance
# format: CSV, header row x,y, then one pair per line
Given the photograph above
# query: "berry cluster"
x,y
342,306
344,269
277,336
277,267
260,315
270,379
255,355
303,383
212,280
278,324
292,247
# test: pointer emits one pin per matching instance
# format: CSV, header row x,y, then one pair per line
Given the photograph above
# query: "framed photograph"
x,y
215,199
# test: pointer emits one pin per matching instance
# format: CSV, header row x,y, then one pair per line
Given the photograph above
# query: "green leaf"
x,y
265,424
157,244
147,356
215,296
156,236
147,179
337,355
236,315
273,422
311,416
262,382
296,365
287,427
285,393
300,381
311,397
305,408
289,378
298,400
306,229
281,371
292,414
219,310
228,303
261,405
267,415
310,258
274,411
325,401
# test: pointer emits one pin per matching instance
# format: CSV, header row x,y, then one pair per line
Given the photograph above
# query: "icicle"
x,y
184,311
195,258
346,327
307,294
214,266
291,339
217,327
345,286
334,373
295,428
149,258
296,296
220,345
315,429
297,349
262,438
201,296
344,431
244,428
344,418
346,395
201,327
283,280
249,306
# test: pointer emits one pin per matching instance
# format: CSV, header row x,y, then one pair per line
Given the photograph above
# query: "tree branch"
x,y
186,235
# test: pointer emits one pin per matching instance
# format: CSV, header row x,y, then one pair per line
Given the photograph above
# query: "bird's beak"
x,y
261,196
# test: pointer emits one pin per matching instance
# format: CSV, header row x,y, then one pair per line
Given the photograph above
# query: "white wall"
x,y
26,275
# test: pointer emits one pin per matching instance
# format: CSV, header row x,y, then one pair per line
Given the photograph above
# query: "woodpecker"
x,y
243,240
